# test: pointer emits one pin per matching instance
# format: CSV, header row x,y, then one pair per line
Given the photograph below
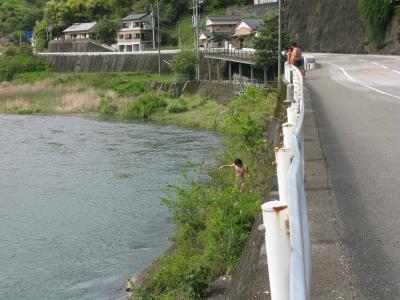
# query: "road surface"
x,y
356,99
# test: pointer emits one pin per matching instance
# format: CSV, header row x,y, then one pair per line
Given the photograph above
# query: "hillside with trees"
x,y
49,18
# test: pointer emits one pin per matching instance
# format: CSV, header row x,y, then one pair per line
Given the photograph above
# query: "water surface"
x,y
80,202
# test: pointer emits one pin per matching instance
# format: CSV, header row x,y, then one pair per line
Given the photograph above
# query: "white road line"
x,y
375,63
398,72
362,60
360,83
384,67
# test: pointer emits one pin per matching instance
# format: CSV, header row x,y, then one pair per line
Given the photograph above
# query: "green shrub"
x,y
107,107
176,109
184,63
17,60
130,89
146,105
376,15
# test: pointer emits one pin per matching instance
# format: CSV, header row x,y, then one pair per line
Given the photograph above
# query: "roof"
x,y
80,27
134,17
253,23
223,20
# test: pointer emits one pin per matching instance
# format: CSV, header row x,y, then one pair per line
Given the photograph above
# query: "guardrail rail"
x,y
287,234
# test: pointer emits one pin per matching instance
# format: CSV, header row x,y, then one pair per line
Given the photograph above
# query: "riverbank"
x,y
212,220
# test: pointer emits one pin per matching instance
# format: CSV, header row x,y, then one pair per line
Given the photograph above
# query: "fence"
x,y
229,53
287,234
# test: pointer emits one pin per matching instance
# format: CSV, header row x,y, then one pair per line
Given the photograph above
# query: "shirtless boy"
x,y
241,173
296,58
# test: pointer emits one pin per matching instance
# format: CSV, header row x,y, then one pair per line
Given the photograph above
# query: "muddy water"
x,y
80,202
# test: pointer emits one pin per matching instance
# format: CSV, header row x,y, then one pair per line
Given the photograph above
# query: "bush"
x,y
184,63
17,60
146,105
177,108
107,107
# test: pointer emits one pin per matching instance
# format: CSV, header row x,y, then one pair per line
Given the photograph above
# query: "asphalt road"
x,y
356,99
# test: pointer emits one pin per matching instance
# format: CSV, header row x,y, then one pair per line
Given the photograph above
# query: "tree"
x,y
266,44
106,29
184,63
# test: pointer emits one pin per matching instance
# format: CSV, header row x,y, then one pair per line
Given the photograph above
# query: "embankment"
x,y
104,62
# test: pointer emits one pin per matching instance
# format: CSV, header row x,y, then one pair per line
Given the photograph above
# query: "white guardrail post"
x,y
287,236
277,242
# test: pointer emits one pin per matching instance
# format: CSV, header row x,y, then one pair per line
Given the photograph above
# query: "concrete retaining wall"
x,y
76,46
108,62
221,92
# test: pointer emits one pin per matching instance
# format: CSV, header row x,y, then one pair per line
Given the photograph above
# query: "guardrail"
x,y
287,234
229,53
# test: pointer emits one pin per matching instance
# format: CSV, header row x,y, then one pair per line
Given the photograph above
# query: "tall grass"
x,y
376,15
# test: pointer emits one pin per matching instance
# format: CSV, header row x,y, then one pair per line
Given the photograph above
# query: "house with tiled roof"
x,y
248,27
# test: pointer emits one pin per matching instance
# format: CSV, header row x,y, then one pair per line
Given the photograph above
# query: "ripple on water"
x,y
80,202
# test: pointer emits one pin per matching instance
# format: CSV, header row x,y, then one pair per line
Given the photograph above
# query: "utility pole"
x,y
153,26
197,39
196,23
279,44
158,37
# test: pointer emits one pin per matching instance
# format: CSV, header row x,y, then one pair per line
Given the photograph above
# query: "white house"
x,y
79,31
136,33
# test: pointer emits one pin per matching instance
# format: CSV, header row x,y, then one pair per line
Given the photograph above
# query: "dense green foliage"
x,y
212,218
145,106
184,63
59,14
266,44
16,60
17,16
376,16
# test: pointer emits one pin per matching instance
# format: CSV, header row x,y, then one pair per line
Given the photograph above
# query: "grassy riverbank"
x,y
212,219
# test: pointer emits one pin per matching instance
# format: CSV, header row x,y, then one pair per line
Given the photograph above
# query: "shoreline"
x,y
242,125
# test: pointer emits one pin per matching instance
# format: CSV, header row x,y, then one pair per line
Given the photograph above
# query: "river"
x,y
80,202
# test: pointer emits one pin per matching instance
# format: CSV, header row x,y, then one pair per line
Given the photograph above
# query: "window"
x,y
128,36
125,25
137,36
136,24
120,36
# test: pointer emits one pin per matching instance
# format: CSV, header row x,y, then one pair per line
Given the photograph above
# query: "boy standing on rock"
x,y
241,173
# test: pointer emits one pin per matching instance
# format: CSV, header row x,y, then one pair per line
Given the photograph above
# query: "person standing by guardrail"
x,y
296,58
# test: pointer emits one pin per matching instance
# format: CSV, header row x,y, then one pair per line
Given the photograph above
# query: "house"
x,y
222,24
248,27
136,33
80,31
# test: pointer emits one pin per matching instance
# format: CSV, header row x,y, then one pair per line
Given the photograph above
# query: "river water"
x,y
80,202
